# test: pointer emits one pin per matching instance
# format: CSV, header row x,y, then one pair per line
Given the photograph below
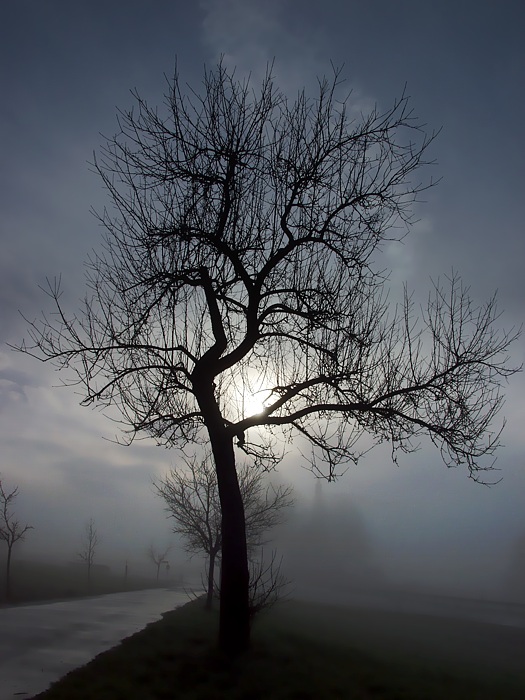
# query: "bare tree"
x,y
11,530
192,501
267,583
242,254
89,543
158,557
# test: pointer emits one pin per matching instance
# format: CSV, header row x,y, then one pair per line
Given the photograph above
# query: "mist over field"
x,y
340,541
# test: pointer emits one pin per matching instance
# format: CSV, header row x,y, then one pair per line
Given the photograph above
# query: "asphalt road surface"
x,y
41,643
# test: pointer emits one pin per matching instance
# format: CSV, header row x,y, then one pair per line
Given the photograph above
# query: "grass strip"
x,y
300,651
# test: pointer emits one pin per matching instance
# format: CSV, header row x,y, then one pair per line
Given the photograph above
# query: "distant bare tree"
x,y
158,557
90,540
267,583
192,500
11,530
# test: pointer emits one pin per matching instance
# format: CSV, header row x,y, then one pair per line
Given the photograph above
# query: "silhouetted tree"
x,y
267,583
158,557
89,544
242,253
192,500
11,531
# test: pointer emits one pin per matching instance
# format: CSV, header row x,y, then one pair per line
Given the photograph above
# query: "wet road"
x,y
41,643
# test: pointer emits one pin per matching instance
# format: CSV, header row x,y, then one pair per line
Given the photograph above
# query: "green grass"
x,y
300,651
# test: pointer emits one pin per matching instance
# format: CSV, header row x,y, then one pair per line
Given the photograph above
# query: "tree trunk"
x,y
211,582
234,617
8,574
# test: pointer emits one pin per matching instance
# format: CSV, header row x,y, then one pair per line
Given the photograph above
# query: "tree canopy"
x,y
242,253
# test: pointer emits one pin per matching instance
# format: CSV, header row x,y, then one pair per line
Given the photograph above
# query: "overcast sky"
x,y
65,68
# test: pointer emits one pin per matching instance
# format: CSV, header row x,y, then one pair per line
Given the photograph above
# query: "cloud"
x,y
253,34
11,390
242,31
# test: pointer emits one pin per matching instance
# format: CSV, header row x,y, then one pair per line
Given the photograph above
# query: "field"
x,y
305,651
